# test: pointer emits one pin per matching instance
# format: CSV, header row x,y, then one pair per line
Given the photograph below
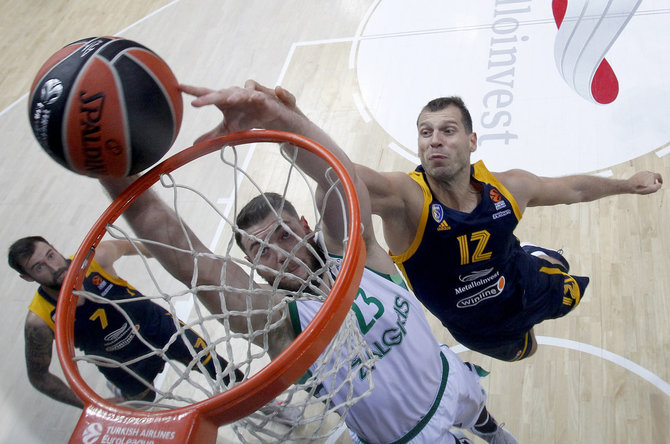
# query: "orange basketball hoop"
x,y
199,422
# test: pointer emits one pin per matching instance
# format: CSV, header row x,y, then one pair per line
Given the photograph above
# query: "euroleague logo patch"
x,y
92,433
494,195
51,91
582,41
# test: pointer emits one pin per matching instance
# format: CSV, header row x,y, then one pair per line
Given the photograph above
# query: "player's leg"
x,y
553,256
488,429
466,399
459,437
516,349
131,388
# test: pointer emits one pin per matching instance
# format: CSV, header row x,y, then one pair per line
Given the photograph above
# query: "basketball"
x,y
105,107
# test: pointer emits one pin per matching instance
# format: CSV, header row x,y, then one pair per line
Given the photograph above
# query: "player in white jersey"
x,y
444,391
420,390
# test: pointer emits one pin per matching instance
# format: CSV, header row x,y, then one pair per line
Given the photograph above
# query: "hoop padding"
x,y
199,422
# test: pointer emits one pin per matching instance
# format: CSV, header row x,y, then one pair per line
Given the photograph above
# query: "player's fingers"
x,y
285,96
222,98
255,86
196,91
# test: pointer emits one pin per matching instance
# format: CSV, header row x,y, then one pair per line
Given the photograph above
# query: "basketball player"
x,y
421,389
450,224
100,329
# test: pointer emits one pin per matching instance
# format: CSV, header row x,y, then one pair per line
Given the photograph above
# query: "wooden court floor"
x,y
601,375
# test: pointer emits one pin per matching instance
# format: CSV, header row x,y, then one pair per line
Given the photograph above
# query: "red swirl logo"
x,y
586,31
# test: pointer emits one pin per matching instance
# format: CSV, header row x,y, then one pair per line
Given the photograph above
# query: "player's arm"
x,y
152,219
256,106
398,200
109,251
39,343
530,190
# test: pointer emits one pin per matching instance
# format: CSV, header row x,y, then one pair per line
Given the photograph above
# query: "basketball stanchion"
x,y
332,331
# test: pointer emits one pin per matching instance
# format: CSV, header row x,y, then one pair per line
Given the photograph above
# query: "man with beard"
x,y
100,329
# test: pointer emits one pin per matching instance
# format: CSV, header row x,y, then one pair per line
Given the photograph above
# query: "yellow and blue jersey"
x,y
102,329
470,271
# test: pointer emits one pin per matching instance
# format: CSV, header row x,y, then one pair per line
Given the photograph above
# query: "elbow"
x,y
38,382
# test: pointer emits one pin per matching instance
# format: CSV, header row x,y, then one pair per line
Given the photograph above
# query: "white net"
x,y
229,345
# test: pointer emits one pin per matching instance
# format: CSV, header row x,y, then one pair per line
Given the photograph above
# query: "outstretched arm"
x,y
530,190
39,344
256,106
152,219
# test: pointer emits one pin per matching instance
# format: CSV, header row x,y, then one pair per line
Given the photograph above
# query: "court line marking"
x,y
151,14
25,95
598,352
398,149
358,102
662,152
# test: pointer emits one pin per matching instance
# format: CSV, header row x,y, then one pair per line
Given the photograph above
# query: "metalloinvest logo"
x,y
586,31
475,275
487,293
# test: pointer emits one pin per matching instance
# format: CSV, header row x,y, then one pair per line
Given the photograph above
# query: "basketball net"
x,y
277,400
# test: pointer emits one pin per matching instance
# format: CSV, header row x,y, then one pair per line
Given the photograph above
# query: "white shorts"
x,y
462,402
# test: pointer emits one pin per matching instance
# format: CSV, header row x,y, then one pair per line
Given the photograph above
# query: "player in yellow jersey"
x,y
100,329
450,224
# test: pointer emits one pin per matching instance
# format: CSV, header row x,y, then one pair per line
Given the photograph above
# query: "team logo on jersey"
x,y
476,280
479,274
489,292
437,212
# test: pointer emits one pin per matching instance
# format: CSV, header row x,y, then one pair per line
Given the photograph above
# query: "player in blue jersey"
x,y
450,224
100,329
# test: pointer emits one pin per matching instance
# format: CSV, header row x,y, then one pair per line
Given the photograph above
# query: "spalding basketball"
x,y
105,107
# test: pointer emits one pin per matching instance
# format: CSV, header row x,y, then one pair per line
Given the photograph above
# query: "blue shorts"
x,y
548,293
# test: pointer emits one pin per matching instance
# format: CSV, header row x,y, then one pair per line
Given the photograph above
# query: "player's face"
x,y
46,266
276,248
444,144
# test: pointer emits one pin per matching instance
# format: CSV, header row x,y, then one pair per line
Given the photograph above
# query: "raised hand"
x,y
254,106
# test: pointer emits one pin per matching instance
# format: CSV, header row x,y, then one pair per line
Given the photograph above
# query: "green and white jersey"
x,y
409,376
